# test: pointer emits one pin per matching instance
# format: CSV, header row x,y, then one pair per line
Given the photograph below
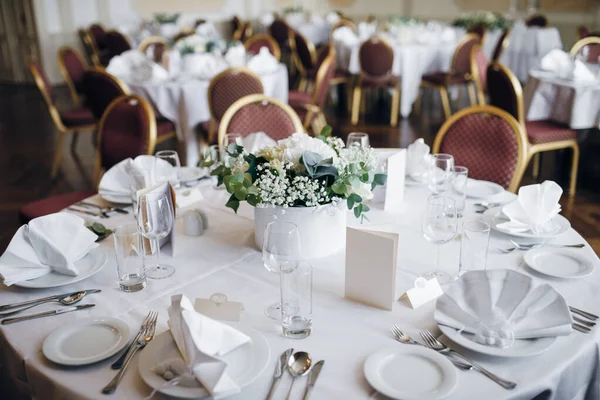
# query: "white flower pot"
x,y
322,229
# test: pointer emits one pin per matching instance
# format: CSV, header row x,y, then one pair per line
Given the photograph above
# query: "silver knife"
x,y
312,378
105,209
63,310
87,212
44,299
279,368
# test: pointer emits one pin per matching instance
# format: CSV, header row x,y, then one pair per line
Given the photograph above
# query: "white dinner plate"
x,y
477,189
520,348
408,181
411,373
90,264
244,364
558,263
116,199
86,341
189,174
494,216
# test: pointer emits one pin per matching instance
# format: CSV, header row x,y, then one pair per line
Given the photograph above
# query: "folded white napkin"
x,y
366,30
236,56
583,73
208,31
447,34
203,66
266,19
201,342
295,19
116,181
264,62
345,35
53,242
332,18
502,304
560,63
417,160
135,66
535,206
256,141
168,31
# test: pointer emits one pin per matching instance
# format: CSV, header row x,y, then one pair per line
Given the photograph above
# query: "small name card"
x,y
218,307
392,193
423,292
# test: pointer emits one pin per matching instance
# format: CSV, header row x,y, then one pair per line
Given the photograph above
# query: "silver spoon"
x,y
298,365
67,301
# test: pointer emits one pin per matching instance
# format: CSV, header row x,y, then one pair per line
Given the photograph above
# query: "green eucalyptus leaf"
x,y
338,187
99,228
233,203
358,210
252,200
378,180
326,131
240,193
350,202
353,180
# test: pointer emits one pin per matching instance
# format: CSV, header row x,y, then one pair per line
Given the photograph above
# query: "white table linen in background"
x,y
345,333
185,102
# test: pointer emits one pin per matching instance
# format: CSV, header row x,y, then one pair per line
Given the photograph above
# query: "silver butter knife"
x,y
63,310
312,378
279,368
46,299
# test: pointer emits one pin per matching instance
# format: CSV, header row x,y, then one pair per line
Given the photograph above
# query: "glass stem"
x,y
436,262
157,253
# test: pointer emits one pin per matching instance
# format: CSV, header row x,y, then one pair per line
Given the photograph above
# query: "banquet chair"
x,y
488,141
304,57
67,122
90,51
459,74
185,32
116,43
279,29
501,45
256,42
505,92
582,32
537,20
342,22
154,47
479,65
589,48
224,90
199,22
72,66
376,58
235,24
243,32
479,30
339,77
259,113
97,37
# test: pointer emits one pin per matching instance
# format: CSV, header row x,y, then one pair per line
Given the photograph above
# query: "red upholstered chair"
x,y
153,47
116,43
51,205
479,64
488,141
258,113
98,34
88,46
256,42
501,45
225,89
459,74
505,92
279,29
67,122
479,30
235,24
304,57
97,37
376,58
582,32
537,20
72,67
587,49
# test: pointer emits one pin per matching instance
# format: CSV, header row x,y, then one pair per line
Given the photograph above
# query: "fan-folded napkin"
x,y
135,66
264,62
332,18
266,19
256,141
116,181
203,65
417,159
345,35
561,64
208,31
366,30
236,56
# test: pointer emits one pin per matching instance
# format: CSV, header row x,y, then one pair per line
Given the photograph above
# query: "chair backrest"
x,y
488,141
342,22
116,43
235,23
479,65
505,91
501,45
98,35
582,32
461,59
154,47
72,67
376,57
258,113
254,44
45,88
279,29
589,48
182,34
243,32
100,89
228,87
303,51
90,49
325,72
199,22
479,30
538,20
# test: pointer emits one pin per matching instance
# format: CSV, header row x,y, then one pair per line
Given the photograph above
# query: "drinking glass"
x,y
296,299
230,138
357,139
439,226
155,221
440,173
129,252
138,180
458,188
281,244
474,242
167,168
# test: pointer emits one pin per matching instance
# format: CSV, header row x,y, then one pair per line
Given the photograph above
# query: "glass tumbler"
x,y
440,173
474,243
129,251
358,139
458,189
296,299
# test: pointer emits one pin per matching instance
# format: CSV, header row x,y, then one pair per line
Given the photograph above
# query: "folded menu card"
x,y
392,193
371,267
53,242
157,191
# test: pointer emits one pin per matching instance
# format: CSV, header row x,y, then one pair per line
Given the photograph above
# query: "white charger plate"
x,y
494,216
411,373
86,341
88,265
477,189
189,174
244,364
558,263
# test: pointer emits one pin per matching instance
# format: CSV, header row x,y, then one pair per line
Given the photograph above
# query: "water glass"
x,y
129,252
167,168
155,221
358,139
296,299
458,190
440,173
473,246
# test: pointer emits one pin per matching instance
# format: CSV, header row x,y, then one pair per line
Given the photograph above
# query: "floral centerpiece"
x,y
196,44
164,18
490,20
292,10
403,21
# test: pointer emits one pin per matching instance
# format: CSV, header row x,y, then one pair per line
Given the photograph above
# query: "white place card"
x,y
371,267
423,292
218,307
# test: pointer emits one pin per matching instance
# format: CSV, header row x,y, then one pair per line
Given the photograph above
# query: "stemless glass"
x,y
439,226
357,139
474,241
458,188
129,252
281,244
169,171
155,221
440,173
296,299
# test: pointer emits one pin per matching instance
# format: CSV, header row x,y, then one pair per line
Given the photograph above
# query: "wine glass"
x,y
230,138
167,167
439,226
281,245
441,173
155,221
357,139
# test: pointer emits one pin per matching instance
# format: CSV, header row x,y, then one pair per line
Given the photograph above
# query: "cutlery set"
x,y
585,324
297,364
526,247
101,212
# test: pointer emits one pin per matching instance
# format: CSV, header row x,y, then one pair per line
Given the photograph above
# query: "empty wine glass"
x,y
167,167
439,226
155,221
357,139
441,173
281,245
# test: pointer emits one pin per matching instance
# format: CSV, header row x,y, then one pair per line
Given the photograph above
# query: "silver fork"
x,y
142,341
435,344
526,247
145,324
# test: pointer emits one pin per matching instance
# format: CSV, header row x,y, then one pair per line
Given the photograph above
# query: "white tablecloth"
x,y
345,333
185,102
315,30
576,104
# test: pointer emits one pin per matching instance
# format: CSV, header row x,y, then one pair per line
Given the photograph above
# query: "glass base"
x,y
297,327
132,283
442,277
274,311
160,271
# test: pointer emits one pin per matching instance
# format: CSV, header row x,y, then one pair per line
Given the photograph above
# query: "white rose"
x,y
294,146
363,190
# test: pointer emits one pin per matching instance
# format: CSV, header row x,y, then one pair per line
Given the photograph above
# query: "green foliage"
x,y
319,168
164,18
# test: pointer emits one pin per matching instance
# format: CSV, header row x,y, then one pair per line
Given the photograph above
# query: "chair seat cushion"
x,y
439,79
297,99
50,205
548,131
380,81
77,117
164,126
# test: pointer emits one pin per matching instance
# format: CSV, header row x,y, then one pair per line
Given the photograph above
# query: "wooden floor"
x,y
28,141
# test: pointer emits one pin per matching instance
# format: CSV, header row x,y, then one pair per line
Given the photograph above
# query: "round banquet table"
x,y
185,102
344,333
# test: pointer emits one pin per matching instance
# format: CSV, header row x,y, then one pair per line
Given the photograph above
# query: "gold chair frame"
x,y
303,83
149,41
582,43
243,32
476,76
315,118
503,45
91,47
266,37
357,92
183,33
65,73
509,119
255,98
342,22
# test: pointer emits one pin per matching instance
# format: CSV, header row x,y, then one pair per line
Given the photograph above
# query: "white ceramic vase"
x,y
322,229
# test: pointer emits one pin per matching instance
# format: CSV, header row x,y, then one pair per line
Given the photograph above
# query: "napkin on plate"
x,y
264,62
560,63
534,208
236,56
203,66
53,242
417,160
345,35
116,181
201,342
256,141
135,66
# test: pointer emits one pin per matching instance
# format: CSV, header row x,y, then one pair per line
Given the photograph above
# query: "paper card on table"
x,y
423,292
371,267
219,308
167,244
392,193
